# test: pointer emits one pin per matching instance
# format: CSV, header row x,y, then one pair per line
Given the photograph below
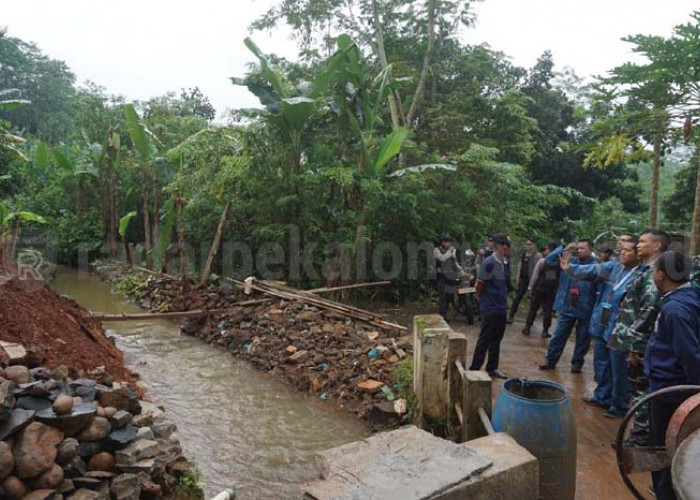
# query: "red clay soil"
x,y
49,327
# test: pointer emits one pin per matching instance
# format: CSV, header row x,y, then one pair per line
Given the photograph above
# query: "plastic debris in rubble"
x,y
372,335
388,393
400,406
372,353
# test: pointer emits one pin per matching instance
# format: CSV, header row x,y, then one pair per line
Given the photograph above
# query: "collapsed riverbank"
x,y
344,361
74,423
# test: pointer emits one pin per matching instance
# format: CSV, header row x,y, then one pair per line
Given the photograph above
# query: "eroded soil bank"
x,y
237,423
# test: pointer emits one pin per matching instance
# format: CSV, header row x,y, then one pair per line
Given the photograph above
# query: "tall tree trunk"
x,y
112,194
379,37
111,230
79,202
156,213
113,217
15,237
179,202
695,234
215,245
146,218
413,110
655,169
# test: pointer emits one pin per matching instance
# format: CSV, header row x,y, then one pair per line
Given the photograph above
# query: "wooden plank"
x,y
171,315
309,298
456,359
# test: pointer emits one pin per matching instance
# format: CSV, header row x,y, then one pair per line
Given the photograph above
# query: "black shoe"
x,y
497,374
525,331
510,320
545,366
546,335
614,414
576,368
627,443
593,401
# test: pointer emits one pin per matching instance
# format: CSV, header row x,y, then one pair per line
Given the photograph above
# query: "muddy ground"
x,y
597,473
51,328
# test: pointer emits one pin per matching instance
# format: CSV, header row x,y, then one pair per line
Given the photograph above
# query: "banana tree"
x,y
10,225
72,166
287,108
358,98
8,140
146,146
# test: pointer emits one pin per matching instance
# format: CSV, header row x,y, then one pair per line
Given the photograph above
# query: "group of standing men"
x,y
640,309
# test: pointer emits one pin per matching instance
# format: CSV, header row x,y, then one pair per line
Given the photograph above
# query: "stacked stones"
x,y
317,351
82,439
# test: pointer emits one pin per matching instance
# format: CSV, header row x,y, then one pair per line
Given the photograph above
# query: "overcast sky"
x,y
144,48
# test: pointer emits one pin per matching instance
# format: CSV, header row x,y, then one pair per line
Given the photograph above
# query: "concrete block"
x,y
435,348
477,394
514,474
406,464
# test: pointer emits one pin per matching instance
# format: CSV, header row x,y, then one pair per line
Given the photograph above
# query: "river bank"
x,y
337,359
74,423
239,424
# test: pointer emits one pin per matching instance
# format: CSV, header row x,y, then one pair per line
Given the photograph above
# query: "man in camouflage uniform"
x,y
635,323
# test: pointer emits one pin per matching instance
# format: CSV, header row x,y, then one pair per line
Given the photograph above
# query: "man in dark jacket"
x,y
526,266
543,289
673,352
492,287
574,305
448,273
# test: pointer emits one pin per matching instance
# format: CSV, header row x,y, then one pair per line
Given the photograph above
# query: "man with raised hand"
x,y
574,304
611,390
635,322
492,287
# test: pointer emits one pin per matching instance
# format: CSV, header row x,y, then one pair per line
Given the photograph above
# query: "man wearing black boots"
x,y
492,287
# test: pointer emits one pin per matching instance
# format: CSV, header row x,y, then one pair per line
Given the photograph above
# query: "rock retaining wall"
x,y
83,439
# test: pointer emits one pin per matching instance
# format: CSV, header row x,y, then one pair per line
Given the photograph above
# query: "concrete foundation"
x,y
411,464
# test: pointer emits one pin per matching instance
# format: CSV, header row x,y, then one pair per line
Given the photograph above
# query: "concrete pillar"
x,y
476,394
430,346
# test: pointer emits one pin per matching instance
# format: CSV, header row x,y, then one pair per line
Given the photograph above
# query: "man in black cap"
x,y
492,287
448,272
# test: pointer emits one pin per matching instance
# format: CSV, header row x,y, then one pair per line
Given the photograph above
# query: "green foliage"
x,y
190,485
47,83
74,235
403,374
130,285
124,222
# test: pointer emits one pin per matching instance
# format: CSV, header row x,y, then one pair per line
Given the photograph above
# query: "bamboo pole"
x,y
172,315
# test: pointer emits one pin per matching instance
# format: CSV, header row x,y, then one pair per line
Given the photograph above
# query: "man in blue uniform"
x,y
611,391
492,287
574,305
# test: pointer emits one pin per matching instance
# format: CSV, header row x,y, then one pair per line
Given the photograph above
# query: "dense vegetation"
x,y
401,133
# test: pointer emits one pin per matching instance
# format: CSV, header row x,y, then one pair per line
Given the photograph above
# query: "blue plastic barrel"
x,y
537,414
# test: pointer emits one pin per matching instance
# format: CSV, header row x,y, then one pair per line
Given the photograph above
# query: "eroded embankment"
x,y
51,329
72,422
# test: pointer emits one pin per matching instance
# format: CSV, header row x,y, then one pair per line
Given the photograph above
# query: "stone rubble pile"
x,y
317,351
82,439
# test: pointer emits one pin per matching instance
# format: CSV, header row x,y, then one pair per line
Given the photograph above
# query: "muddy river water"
x,y
239,425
